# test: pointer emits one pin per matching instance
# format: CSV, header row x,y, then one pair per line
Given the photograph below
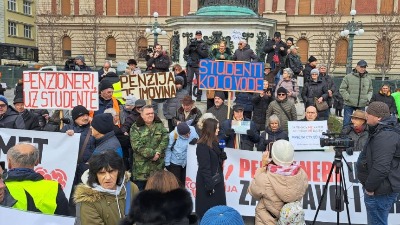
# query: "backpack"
x,y
291,213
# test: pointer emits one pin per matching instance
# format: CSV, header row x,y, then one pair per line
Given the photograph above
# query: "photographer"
x,y
195,51
76,64
158,60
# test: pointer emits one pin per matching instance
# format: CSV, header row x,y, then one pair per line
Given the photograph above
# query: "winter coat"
x,y
102,72
307,72
290,86
312,90
330,84
388,99
176,151
244,99
268,48
19,91
356,89
221,113
195,53
268,136
83,130
378,165
161,63
246,141
96,207
360,139
105,104
216,54
39,114
12,119
293,62
194,115
146,141
171,105
273,190
246,54
338,101
31,120
260,105
132,117
106,143
288,106
209,163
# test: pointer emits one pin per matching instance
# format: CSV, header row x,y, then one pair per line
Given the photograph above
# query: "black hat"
x,y
103,123
18,100
290,39
140,103
183,128
312,59
238,107
198,32
78,111
132,61
220,95
105,84
362,63
281,90
179,80
277,34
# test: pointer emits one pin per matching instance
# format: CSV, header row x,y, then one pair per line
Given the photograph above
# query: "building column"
x,y
193,6
312,7
281,6
268,6
353,4
396,6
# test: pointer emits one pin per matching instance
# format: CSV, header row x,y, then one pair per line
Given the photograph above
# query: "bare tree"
x,y
388,40
131,36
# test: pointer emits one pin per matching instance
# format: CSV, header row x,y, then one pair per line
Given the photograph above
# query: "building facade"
x,y
115,29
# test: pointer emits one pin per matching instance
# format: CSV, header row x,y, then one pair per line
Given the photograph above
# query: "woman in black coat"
x,y
272,133
318,89
209,158
260,103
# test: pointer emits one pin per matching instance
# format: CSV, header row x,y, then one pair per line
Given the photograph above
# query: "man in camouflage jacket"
x,y
149,139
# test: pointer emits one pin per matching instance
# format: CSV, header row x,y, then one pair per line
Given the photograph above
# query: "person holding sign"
x,y
261,102
272,133
30,119
245,134
106,99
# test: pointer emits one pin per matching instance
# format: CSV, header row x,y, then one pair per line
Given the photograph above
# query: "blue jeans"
x,y
378,207
348,111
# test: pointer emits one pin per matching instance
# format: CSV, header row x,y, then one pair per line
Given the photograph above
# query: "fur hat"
x,y
104,85
378,109
282,153
130,100
281,90
359,114
103,123
183,128
220,95
222,215
3,99
78,111
312,59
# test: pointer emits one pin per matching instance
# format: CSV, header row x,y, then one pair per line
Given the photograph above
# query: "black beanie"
x,y
103,123
105,84
183,128
312,59
220,95
78,111
281,90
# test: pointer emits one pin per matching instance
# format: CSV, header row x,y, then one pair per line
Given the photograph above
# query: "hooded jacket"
x,y
176,151
356,89
245,54
273,190
11,119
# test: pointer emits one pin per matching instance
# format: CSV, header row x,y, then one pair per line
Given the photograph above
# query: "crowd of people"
x,y
132,166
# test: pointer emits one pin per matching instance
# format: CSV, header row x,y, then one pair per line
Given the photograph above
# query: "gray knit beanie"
x,y
378,109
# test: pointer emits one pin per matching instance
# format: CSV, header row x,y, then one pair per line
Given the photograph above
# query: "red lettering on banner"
x,y
306,165
249,166
316,171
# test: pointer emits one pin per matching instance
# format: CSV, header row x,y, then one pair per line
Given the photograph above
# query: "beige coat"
x,y
273,191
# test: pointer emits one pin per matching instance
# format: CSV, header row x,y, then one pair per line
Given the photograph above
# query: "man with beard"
x,y
159,60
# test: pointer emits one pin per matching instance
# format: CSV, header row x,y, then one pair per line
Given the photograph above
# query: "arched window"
x,y
304,7
142,47
65,7
111,7
382,53
66,47
344,7
341,52
387,7
303,50
111,48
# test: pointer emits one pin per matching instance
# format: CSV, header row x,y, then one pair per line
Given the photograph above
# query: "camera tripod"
x,y
338,165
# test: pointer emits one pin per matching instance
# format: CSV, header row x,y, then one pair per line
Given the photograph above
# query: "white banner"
x,y
18,217
305,135
58,152
241,165
60,89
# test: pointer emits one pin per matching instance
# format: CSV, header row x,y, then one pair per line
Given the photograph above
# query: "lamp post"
x,y
155,29
352,28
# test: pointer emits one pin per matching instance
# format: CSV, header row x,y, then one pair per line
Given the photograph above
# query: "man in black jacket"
x,y
31,120
378,165
159,60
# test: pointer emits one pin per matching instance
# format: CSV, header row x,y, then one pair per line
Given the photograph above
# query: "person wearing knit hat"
x,y
378,167
9,117
281,181
79,111
106,99
222,215
103,131
31,120
219,110
130,100
179,80
102,124
183,129
311,64
80,64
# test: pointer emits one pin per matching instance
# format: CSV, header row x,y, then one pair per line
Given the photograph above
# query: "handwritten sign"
x,y
305,135
231,75
60,89
241,127
149,86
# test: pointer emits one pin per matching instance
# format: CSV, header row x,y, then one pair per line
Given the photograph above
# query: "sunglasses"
x,y
281,94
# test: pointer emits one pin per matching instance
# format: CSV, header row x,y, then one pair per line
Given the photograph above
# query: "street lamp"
x,y
351,29
155,29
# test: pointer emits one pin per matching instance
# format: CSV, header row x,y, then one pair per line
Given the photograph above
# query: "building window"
x,y
387,7
303,50
66,47
111,7
27,8
12,28
27,31
111,48
341,52
12,5
65,7
344,7
142,47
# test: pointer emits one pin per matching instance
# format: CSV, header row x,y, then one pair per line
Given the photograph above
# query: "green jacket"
x,y
146,141
356,89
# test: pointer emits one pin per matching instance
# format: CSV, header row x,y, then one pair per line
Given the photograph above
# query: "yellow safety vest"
x,y
43,192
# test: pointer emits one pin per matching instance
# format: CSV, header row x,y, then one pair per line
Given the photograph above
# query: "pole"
x,y
155,38
350,53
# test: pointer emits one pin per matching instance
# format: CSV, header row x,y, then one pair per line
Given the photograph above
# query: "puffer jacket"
x,y
11,119
245,54
176,151
273,190
356,89
288,106
244,99
314,89
171,105
388,99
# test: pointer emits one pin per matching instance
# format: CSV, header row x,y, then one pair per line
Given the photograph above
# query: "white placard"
x,y
240,127
18,217
305,135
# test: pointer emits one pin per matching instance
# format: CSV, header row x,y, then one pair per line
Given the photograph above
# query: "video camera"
x,y
70,64
336,140
193,42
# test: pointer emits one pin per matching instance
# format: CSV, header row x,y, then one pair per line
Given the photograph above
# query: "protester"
x,y
106,99
5,197
284,109
149,139
188,112
244,53
312,64
316,91
199,124
107,68
222,52
219,110
80,64
171,105
281,181
128,108
30,119
45,196
272,133
311,114
222,215
132,68
163,181
338,103
176,152
244,99
261,102
384,95
294,63
103,132
378,165
210,157
276,50
101,199
330,84
133,116
357,131
9,117
159,60
289,84
179,72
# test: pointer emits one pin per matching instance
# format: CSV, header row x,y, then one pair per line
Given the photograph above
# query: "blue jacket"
x,y
178,154
108,142
246,141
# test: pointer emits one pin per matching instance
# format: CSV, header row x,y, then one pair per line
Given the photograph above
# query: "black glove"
x,y
229,132
193,141
66,120
250,132
223,156
210,192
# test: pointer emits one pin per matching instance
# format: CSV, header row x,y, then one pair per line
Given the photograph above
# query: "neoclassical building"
x,y
116,29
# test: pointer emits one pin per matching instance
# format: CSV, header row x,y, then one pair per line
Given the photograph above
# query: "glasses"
x,y
3,105
281,94
364,67
240,44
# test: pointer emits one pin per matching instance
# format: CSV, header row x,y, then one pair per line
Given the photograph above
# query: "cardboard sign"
x,y
58,153
60,89
148,85
305,135
231,75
